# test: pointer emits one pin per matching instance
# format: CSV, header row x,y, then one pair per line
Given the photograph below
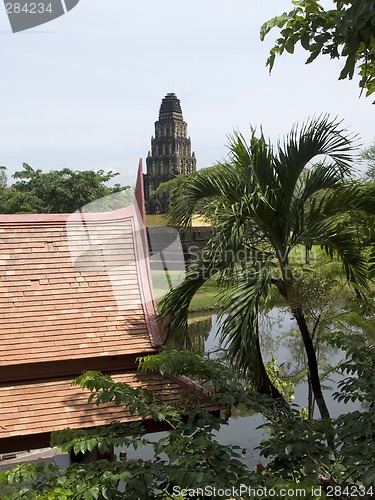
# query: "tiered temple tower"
x,y
170,153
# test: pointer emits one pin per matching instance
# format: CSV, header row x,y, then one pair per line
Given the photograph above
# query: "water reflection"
x,y
279,337
200,327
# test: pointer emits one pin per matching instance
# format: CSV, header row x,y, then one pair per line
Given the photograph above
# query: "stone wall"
x,y
164,243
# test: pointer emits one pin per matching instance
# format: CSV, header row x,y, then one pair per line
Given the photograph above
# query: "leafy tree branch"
x,y
346,31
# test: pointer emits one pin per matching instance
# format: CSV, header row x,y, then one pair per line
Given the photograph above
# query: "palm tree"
x,y
262,203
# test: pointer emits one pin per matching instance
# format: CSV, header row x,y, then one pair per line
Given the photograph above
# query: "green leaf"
x,y
289,46
305,41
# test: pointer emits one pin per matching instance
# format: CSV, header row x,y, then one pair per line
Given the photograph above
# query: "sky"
x,y
84,90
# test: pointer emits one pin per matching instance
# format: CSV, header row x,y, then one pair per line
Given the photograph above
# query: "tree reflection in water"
x,y
199,329
278,338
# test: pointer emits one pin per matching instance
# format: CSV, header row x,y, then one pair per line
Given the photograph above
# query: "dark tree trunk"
x,y
307,255
307,341
310,398
312,361
263,384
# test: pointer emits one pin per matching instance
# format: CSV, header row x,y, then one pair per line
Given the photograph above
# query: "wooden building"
x,y
75,295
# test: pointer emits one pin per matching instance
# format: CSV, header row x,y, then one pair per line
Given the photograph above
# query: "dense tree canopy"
x,y
3,178
346,31
57,191
369,156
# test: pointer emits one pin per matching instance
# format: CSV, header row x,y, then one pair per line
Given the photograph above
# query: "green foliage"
x,y
369,156
190,457
280,379
137,400
3,180
298,449
220,382
264,203
101,438
346,31
57,191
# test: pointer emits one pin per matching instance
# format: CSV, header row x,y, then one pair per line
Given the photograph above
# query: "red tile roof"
x,y
53,307
54,404
75,295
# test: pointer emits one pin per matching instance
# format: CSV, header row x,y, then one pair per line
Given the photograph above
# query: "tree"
x,y
3,179
57,191
346,31
188,459
192,462
369,155
263,203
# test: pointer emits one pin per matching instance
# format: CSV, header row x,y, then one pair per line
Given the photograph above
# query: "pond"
x,y
279,338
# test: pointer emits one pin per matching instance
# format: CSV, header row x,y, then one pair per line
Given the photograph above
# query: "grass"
x,y
198,316
156,220
162,220
298,255
162,281
209,298
206,299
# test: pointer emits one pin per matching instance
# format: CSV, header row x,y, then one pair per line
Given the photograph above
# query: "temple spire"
x,y
170,153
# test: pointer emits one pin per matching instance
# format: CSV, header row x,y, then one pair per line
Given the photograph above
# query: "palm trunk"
x,y
312,361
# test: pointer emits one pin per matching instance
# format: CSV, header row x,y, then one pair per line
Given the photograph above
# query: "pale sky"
x,y
84,90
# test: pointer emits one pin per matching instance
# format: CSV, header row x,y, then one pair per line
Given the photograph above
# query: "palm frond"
x,y
264,201
319,178
218,182
311,187
337,236
317,137
239,329
349,197
254,160
174,307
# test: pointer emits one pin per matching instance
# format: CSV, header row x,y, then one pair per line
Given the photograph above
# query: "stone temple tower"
x,y
170,153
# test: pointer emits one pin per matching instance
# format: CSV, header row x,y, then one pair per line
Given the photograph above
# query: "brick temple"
x,y
170,154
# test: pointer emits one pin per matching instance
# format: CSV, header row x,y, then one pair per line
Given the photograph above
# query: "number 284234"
x,y
28,8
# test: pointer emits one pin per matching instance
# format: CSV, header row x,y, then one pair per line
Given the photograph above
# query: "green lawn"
x,y
207,298
298,255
